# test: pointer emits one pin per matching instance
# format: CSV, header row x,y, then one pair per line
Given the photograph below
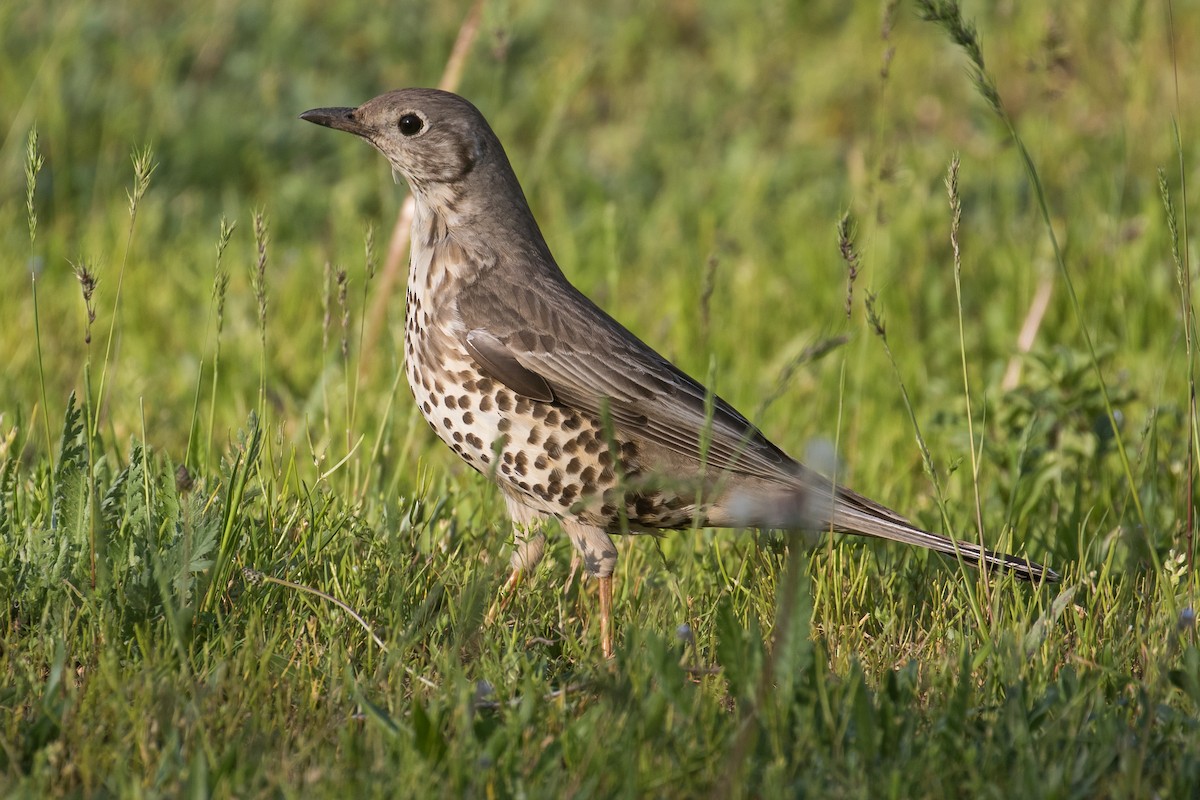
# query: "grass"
x,y
237,564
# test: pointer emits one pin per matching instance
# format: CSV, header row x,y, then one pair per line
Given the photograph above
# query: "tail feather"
x,y
852,513
808,500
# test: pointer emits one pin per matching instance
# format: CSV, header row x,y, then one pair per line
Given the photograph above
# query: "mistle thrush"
x,y
544,393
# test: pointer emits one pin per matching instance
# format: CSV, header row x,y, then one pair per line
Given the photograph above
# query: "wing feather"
x,y
595,364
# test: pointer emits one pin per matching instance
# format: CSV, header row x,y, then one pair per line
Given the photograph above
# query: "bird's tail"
x,y
808,500
853,513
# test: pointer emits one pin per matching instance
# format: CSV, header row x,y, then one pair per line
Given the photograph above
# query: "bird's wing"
x,y
550,336
498,360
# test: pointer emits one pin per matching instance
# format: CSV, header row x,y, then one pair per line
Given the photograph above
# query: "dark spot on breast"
x,y
553,449
450,401
571,422
588,477
474,441
485,386
573,466
644,505
535,435
446,423
569,493
523,405
504,424
503,401
464,401
541,462
552,417
468,418
485,403
458,437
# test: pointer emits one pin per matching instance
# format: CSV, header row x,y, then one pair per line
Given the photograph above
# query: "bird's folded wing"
x,y
497,360
559,339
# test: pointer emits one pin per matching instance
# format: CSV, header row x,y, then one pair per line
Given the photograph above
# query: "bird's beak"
x,y
341,119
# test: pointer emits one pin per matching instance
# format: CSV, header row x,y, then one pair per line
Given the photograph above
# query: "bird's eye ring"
x,y
410,124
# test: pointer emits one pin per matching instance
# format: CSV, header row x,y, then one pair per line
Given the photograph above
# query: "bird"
x,y
537,388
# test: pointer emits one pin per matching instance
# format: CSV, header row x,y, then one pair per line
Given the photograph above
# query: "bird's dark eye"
x,y
410,124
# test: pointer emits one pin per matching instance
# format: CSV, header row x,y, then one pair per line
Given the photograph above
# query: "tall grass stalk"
x,y
1183,269
948,14
87,286
370,264
146,493
216,318
381,433
850,258
343,300
326,323
34,161
1188,314
955,222
220,289
875,321
143,168
975,449
258,283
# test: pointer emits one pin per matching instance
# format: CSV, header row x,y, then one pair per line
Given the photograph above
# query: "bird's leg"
x,y
525,557
599,556
606,643
503,596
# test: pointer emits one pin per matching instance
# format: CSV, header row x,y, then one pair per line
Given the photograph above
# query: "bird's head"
x,y
429,136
